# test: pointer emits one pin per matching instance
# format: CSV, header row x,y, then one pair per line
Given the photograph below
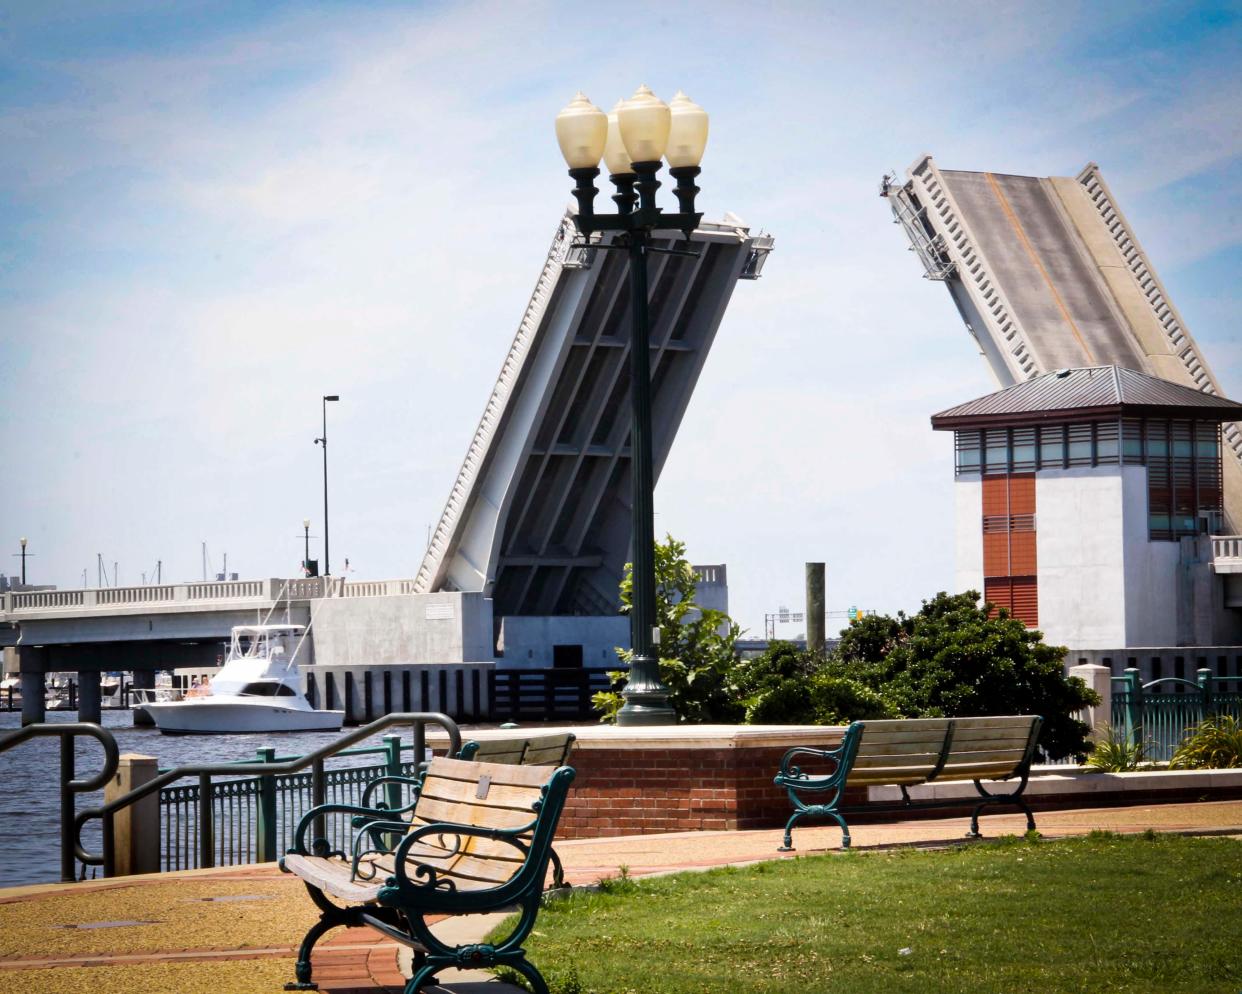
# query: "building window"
x,y
1183,477
966,444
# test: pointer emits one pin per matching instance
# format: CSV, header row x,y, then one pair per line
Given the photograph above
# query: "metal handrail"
x,y
68,785
416,719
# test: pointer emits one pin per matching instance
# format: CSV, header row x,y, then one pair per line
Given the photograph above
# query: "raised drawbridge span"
x,y
1047,274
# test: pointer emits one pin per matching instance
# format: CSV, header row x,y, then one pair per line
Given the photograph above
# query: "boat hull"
x,y
217,717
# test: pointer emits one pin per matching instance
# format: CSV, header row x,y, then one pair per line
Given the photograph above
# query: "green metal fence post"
x,y
1134,704
206,823
392,752
265,840
1204,679
319,795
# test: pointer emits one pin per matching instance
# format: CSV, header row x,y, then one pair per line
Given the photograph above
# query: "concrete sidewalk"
x,y
236,930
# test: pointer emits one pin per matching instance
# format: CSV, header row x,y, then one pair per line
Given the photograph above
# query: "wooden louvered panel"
x,y
995,496
1026,600
995,554
1022,560
1021,493
996,592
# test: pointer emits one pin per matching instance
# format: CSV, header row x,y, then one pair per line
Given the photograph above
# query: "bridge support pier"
x,y
90,703
34,706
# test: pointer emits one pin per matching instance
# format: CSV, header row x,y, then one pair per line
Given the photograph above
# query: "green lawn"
x,y
1154,914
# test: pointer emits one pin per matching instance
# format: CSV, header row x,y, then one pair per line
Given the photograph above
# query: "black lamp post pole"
x,y
327,562
646,697
306,549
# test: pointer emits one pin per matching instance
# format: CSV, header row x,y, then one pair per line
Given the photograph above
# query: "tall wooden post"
x,y
136,829
815,606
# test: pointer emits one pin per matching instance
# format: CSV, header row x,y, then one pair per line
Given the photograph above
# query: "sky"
x,y
213,214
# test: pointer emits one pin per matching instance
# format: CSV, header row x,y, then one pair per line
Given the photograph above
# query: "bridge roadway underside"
x,y
141,641
90,660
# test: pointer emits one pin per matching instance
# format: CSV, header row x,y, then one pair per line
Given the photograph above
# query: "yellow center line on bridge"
x,y
1030,250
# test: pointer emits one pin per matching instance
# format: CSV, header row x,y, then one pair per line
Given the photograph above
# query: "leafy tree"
x,y
696,644
953,659
788,685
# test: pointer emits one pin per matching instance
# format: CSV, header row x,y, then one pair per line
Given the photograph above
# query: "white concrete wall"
x,y
1079,541
527,641
968,561
448,627
1151,570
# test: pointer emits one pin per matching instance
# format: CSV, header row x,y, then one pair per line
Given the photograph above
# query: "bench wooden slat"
x,y
903,778
886,760
884,747
1017,735
333,877
976,771
497,795
1009,755
891,775
434,810
500,773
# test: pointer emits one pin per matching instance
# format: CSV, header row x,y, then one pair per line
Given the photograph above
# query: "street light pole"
x,y
632,140
306,539
323,440
22,541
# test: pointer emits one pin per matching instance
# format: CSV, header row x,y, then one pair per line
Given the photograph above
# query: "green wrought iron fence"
x,y
1161,718
252,819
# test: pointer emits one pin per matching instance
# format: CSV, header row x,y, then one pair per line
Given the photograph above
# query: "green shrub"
x,y
952,659
791,686
1117,752
1214,744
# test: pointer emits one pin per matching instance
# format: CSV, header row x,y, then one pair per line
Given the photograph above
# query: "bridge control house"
x,y
1089,504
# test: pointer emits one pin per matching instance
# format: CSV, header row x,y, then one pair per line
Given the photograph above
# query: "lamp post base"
x,y
646,698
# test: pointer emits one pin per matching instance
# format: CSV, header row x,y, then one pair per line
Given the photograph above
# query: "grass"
x,y
1097,914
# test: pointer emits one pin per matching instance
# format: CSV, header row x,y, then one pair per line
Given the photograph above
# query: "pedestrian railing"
x,y
253,818
252,810
70,786
1159,713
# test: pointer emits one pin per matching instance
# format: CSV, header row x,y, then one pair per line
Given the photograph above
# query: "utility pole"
x,y
816,594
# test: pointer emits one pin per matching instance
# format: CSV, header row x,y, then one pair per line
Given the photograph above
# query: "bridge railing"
x,y
1227,553
198,593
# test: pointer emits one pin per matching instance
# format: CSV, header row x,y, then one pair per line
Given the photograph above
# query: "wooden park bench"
x,y
478,841
532,750
907,752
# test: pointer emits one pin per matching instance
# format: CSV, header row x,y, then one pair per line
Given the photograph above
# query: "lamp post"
x,y
22,543
323,440
306,547
632,141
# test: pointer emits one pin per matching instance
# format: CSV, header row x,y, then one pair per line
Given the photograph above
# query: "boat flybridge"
x,y
256,690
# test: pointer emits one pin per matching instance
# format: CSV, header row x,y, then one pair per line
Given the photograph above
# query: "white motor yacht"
x,y
255,691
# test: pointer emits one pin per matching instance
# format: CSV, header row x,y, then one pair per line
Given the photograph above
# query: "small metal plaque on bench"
x,y
485,784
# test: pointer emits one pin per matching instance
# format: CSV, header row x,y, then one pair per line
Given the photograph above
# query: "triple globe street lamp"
x,y
632,140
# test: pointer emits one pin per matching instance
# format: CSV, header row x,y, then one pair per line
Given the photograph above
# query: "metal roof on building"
x,y
1089,390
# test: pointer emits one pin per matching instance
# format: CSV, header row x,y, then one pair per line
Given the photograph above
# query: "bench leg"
x,y
330,916
787,846
558,871
302,968
1015,799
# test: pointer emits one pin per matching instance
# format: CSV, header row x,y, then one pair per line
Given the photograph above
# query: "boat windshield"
x,y
267,688
249,644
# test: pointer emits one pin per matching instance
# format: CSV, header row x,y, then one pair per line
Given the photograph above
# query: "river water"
x,y
29,775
